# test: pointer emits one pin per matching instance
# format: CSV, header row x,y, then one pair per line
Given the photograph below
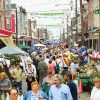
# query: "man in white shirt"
x,y
47,60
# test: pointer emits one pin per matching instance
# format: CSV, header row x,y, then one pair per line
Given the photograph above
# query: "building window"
x,y
8,13
7,7
8,23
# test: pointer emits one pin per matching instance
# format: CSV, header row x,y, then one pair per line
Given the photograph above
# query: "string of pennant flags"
x,y
50,14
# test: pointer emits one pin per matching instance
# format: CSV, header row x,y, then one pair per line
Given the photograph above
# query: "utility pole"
x,y
46,34
67,31
63,34
99,32
76,22
16,39
38,33
60,34
82,28
71,33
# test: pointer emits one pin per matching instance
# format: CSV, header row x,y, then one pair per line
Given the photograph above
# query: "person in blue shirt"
x,y
72,86
35,93
59,91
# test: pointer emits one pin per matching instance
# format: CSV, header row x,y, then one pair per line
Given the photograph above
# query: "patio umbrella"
x,y
10,50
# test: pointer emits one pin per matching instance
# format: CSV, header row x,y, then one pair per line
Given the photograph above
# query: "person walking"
x,y
35,93
17,76
47,82
51,67
5,85
13,94
59,91
72,86
95,93
42,68
31,74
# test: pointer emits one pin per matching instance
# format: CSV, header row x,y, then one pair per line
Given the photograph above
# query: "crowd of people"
x,y
50,75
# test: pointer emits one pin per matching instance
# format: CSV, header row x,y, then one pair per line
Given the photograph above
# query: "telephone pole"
x,y
76,22
99,32
82,28
67,31
16,39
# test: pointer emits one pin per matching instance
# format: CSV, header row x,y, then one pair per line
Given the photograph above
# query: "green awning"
x,y
24,47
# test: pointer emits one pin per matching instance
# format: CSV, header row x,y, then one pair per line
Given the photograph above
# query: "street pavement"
x,y
82,96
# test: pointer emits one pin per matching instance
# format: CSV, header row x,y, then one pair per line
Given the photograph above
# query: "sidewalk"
x,y
84,96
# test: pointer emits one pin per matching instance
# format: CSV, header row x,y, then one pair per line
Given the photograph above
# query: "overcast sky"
x,y
38,5
45,5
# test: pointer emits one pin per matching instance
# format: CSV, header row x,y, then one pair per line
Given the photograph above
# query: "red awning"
x,y
28,38
3,35
4,32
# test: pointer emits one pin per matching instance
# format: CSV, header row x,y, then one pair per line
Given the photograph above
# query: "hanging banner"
x,y
50,14
13,26
51,25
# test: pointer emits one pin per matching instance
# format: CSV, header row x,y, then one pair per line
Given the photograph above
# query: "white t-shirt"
x,y
98,67
47,61
95,94
31,71
76,82
73,68
60,62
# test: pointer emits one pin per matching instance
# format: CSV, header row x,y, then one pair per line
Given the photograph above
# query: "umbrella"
x,y
10,50
39,45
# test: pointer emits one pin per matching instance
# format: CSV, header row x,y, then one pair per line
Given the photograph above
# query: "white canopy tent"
x,y
39,45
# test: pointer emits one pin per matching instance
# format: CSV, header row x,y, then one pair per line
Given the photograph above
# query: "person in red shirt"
x,y
51,67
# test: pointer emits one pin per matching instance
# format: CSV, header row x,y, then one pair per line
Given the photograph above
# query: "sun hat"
x,y
29,62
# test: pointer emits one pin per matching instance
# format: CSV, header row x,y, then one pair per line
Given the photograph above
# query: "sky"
x,y
38,5
33,6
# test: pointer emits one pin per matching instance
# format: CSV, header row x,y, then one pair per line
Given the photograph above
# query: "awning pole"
x,y
99,43
92,41
99,32
89,41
